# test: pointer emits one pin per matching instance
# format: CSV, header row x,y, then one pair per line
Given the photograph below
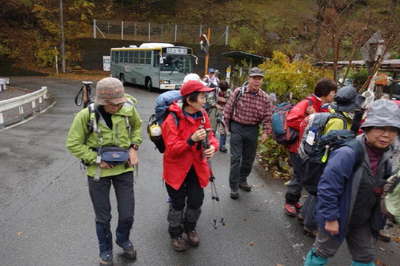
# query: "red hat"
x,y
193,86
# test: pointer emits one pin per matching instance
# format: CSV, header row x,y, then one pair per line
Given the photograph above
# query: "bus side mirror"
x,y
196,59
161,60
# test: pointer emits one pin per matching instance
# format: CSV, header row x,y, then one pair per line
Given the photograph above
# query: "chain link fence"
x,y
153,32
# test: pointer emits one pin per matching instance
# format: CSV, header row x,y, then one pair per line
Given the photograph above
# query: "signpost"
x,y
204,46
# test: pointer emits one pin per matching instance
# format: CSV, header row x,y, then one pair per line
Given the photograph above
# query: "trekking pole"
x,y
214,193
215,197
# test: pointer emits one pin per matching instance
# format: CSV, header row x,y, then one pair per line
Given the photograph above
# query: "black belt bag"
x,y
114,155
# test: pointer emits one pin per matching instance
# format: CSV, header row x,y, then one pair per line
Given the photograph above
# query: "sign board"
x,y
176,50
374,48
106,63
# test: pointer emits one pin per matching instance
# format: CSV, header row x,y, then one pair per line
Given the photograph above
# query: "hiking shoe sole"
x,y
234,195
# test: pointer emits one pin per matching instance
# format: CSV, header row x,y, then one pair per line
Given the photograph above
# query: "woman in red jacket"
x,y
324,92
186,170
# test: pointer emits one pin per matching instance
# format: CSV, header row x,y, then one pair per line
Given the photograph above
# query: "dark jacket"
x,y
340,184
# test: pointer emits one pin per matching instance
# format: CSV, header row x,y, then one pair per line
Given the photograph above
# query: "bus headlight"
x,y
165,82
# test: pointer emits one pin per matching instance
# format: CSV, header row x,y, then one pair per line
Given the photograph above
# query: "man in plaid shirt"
x,y
246,108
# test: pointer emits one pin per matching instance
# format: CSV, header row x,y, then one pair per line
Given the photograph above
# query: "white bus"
x,y
153,65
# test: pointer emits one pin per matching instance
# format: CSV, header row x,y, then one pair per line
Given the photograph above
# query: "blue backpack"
x,y
281,133
163,102
161,112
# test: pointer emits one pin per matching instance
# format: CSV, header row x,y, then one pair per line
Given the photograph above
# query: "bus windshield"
x,y
177,63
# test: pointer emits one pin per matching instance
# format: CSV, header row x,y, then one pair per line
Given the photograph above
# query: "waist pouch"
x,y
114,155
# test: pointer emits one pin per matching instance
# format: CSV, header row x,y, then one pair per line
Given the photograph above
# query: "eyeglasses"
x,y
115,105
390,130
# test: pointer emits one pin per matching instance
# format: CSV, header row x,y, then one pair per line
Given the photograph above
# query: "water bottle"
x,y
155,130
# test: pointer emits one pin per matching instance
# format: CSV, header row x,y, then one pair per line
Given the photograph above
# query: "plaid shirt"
x,y
250,109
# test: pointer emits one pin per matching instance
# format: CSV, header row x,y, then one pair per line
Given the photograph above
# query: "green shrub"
x,y
290,81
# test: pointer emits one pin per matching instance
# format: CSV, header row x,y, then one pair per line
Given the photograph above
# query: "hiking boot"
x,y
179,244
383,237
290,210
223,149
234,195
129,251
106,258
300,218
193,238
244,186
309,232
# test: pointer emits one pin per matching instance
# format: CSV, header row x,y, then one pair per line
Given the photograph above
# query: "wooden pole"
x,y
208,52
62,37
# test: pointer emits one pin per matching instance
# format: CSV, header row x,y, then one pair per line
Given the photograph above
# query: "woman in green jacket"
x,y
105,137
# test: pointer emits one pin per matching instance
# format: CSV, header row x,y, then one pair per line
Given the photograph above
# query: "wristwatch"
x,y
134,146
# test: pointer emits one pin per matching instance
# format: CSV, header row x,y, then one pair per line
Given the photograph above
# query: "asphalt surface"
x,y
46,217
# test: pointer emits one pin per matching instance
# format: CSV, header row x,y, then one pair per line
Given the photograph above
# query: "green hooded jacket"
x,y
81,140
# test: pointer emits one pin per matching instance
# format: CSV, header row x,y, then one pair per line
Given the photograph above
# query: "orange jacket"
x,y
179,155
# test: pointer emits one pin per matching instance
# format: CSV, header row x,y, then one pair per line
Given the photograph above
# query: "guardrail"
x,y
18,108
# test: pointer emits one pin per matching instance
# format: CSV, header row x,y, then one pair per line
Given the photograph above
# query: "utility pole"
x,y
62,37
208,51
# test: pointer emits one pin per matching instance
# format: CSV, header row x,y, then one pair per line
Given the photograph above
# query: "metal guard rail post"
x,y
18,102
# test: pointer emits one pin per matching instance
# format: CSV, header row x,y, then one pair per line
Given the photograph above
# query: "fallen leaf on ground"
x,y
379,263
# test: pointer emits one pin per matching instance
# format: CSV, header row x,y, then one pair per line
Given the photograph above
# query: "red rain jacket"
x,y
179,156
297,114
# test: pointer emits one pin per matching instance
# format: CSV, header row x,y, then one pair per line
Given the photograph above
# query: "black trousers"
x,y
189,195
243,146
294,187
100,195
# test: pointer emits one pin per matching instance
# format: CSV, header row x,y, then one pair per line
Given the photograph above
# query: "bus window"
x,y
148,57
125,56
141,57
179,63
116,54
130,57
156,59
136,57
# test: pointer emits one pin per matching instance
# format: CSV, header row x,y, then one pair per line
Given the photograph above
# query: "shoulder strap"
x,y
93,123
310,102
176,118
128,125
237,97
340,116
357,147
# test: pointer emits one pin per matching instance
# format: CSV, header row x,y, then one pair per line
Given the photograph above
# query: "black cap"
x,y
347,99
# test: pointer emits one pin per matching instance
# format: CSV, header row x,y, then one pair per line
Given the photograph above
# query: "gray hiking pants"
x,y
360,240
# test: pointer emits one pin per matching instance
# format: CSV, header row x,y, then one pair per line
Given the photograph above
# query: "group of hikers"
x,y
352,144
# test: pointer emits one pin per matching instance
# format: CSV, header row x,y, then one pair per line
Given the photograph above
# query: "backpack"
x,y
281,132
161,112
316,161
94,117
313,130
163,101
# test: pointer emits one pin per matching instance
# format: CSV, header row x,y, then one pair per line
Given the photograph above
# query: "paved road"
x,y
46,217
